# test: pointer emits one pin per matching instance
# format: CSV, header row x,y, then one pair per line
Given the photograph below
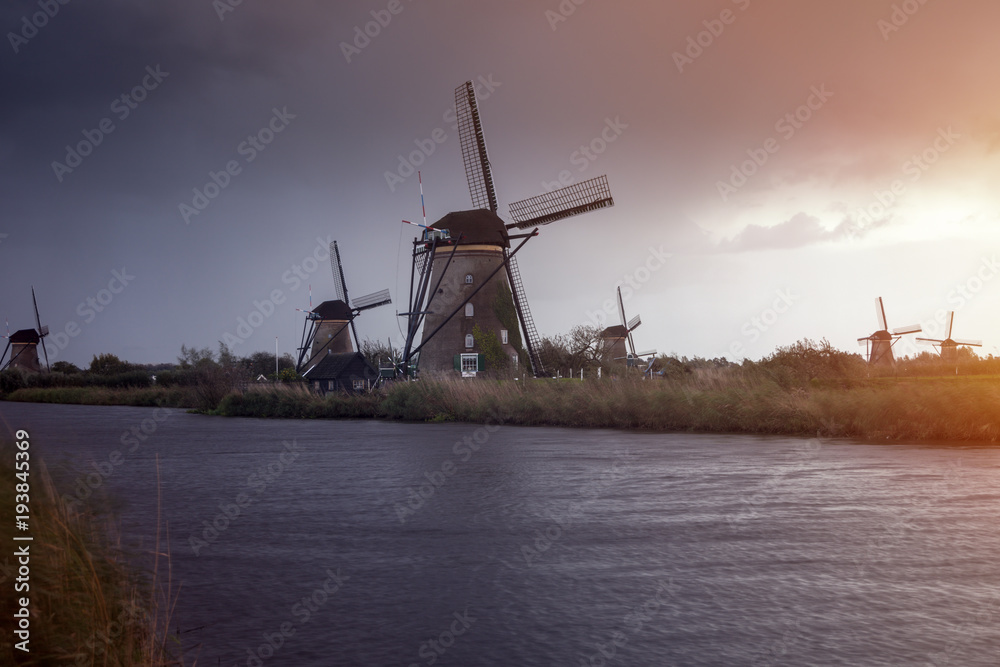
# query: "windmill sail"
x,y
532,340
880,314
43,331
339,287
470,134
566,202
373,300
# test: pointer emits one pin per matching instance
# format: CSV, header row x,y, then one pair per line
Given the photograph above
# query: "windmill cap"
x,y
478,226
333,310
25,336
617,331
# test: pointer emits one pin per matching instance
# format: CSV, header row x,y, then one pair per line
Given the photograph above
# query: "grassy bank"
x,y
87,606
171,397
717,402
802,392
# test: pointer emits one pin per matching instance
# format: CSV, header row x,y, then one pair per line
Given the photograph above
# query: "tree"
x,y
192,357
378,353
65,367
108,364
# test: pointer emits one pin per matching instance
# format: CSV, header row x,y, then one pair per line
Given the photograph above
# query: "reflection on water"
x,y
369,543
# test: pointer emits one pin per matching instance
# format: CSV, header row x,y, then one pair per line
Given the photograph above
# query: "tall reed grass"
x,y
89,606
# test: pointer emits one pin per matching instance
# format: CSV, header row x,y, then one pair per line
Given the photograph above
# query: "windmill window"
x,y
470,363
330,385
469,342
468,278
514,358
470,310
503,336
359,385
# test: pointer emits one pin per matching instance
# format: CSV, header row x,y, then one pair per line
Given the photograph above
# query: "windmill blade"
x,y
38,320
339,287
971,343
42,331
930,340
373,300
646,353
477,162
864,341
880,315
902,331
566,202
951,322
634,323
621,309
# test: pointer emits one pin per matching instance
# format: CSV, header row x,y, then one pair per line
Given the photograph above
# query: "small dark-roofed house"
x,y
342,372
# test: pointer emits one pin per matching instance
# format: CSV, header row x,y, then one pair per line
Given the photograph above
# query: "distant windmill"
x,y
879,344
949,346
325,328
23,345
615,338
457,263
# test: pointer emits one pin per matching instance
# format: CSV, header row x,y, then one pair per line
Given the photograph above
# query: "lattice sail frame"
x,y
470,135
575,199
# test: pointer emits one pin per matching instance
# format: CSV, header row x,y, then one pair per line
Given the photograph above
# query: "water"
x,y
548,546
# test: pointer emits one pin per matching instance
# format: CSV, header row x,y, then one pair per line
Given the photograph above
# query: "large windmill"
x,y
879,344
23,345
949,346
616,338
325,330
456,284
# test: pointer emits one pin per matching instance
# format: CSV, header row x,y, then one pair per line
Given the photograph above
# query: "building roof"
x,y
25,336
333,366
480,226
333,310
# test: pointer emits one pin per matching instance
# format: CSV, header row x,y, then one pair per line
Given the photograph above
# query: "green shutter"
x,y
481,362
458,362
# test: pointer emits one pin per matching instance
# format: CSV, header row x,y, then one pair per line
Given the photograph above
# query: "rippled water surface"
x,y
373,543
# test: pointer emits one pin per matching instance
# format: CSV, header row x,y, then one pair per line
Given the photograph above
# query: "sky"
x,y
167,170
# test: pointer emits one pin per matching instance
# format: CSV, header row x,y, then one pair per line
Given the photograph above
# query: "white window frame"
x,y
470,310
359,385
514,358
470,363
470,342
468,278
503,336
331,385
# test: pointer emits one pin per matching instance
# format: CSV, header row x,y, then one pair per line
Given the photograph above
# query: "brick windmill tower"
x,y
23,345
617,340
325,330
879,344
949,346
464,277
